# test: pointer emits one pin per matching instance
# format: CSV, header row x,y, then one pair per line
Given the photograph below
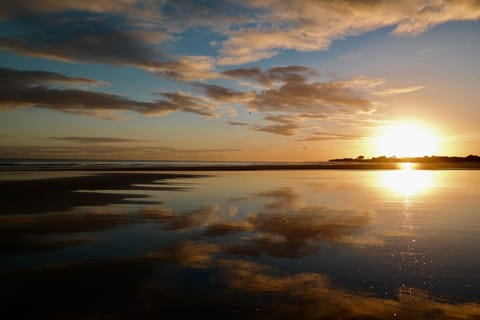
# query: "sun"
x,y
406,139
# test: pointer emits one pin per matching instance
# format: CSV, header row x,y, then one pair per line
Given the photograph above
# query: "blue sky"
x,y
235,80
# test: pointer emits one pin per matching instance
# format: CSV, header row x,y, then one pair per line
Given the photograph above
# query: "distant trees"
x,y
425,159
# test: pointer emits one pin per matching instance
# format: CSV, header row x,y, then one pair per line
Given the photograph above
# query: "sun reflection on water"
x,y
407,181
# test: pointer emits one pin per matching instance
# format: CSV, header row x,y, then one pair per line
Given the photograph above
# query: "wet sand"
x,y
234,248
62,193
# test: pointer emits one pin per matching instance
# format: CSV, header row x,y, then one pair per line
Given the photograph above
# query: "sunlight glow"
x,y
407,182
406,165
406,140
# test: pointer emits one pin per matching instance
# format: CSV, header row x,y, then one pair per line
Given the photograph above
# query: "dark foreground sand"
x,y
62,193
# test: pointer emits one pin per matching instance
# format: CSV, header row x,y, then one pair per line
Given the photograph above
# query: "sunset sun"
x,y
406,140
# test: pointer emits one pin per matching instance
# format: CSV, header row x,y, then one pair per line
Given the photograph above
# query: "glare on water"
x,y
407,181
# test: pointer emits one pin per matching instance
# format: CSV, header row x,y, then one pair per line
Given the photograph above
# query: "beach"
x,y
121,244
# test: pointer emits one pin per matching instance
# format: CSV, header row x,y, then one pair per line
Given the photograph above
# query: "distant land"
x,y
425,159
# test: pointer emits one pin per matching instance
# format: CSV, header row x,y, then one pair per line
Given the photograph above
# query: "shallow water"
x,y
264,244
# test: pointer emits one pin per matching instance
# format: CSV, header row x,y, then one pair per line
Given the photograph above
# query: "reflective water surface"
x,y
352,244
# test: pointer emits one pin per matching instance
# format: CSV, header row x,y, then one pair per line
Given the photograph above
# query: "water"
x,y
59,164
266,244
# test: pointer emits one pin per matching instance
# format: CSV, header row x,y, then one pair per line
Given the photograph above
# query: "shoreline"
x,y
260,167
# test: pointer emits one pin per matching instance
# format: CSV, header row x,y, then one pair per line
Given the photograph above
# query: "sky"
x,y
268,80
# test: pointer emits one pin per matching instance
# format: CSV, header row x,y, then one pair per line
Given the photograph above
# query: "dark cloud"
x,y
94,139
184,102
311,116
23,7
280,129
297,89
237,123
33,78
311,97
269,77
33,89
109,151
280,118
77,38
285,125
255,74
323,136
223,94
104,38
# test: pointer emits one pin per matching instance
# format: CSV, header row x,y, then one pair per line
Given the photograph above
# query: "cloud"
x,y
106,39
33,89
323,136
280,118
129,32
286,125
108,152
226,95
33,78
186,68
313,25
280,129
297,89
237,123
311,116
11,9
309,97
183,102
273,75
94,139
394,91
